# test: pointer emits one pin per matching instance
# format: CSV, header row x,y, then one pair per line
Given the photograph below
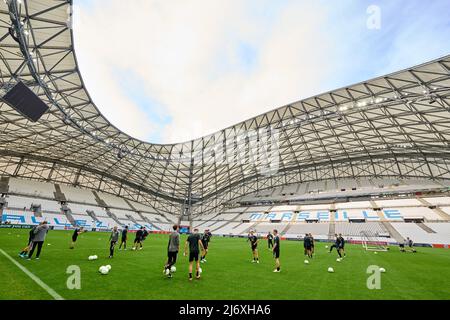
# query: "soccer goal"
x,y
372,242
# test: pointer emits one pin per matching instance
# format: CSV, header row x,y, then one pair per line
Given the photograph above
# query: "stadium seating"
x,y
106,223
227,216
398,203
419,235
438,201
78,195
315,207
82,209
113,201
353,205
440,228
27,217
31,188
318,230
355,229
417,212
264,228
26,202
290,220
84,221
234,228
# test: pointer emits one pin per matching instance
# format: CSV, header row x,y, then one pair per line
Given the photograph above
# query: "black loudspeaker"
x,y
21,98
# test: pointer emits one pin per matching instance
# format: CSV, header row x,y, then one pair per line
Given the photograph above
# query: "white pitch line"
x,y
49,290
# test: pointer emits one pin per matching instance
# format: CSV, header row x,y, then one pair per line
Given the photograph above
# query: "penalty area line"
x,y
49,290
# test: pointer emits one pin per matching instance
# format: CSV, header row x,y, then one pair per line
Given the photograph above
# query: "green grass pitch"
x,y
227,274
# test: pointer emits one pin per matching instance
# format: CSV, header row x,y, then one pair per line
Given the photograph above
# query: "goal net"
x,y
371,241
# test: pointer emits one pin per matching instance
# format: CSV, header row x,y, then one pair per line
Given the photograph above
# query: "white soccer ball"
x,y
108,267
104,270
173,269
330,269
326,247
375,252
383,270
200,270
338,259
306,261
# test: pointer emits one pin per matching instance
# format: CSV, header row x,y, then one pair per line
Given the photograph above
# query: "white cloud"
x,y
187,55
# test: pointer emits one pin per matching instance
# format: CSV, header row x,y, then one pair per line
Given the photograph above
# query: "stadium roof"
x,y
397,125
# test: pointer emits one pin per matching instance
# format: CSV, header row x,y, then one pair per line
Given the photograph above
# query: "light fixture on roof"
x,y
121,153
432,99
66,119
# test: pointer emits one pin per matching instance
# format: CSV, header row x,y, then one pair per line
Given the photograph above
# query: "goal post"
x,y
373,242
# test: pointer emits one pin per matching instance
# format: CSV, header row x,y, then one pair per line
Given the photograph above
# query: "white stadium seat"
x,y
31,188
438,201
113,201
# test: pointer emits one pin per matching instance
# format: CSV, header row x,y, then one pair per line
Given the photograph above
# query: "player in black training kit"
x,y
341,249
269,240
195,244
145,233
75,234
206,238
123,240
335,244
307,245
254,245
312,244
276,250
138,238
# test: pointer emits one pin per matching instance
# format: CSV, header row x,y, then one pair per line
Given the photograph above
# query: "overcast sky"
x,y
172,70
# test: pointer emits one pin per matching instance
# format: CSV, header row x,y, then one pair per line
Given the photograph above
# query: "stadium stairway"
x,y
103,204
92,215
252,227
392,232
4,184
441,213
37,212
130,205
425,228
374,204
331,230
283,232
236,219
99,201
144,218
59,195
69,216
436,210
113,216
132,219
